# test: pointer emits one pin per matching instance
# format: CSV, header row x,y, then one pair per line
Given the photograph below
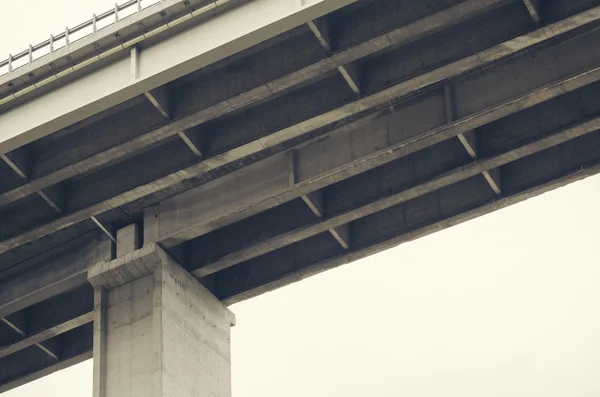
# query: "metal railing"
x,y
71,35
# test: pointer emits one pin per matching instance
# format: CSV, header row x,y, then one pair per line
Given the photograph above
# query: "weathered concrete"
x,y
372,125
46,334
35,344
158,332
128,239
447,179
264,286
332,160
231,32
279,84
61,272
378,99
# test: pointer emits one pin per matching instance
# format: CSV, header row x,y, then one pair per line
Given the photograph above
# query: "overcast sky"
x,y
505,305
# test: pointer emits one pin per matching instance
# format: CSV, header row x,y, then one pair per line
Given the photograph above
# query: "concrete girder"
x,y
60,272
31,287
448,178
63,323
578,158
18,161
322,265
401,36
53,195
233,31
312,176
20,330
441,74
56,323
38,338
259,287
488,205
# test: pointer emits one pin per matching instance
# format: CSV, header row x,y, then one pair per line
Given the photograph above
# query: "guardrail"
x,y
71,35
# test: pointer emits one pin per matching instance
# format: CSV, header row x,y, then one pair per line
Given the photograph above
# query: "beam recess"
x,y
350,72
36,339
325,144
314,201
62,270
18,161
161,100
448,178
469,141
403,35
53,195
168,56
333,169
351,256
401,90
20,330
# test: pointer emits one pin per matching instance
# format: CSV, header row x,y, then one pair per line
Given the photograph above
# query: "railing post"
x,y
51,44
10,59
30,53
116,13
67,36
94,28
139,5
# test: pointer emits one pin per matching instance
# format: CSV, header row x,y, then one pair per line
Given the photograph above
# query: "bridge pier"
x,y
157,330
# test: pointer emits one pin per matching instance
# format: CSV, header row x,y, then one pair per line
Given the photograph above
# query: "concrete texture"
x,y
158,333
233,83
171,58
345,132
82,206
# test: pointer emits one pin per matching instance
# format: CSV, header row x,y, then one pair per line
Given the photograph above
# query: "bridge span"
x,y
166,159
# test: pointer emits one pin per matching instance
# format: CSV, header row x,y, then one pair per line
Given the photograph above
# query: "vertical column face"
x,y
128,239
164,335
131,354
195,338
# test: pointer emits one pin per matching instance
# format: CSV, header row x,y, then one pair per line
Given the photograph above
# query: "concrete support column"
x,y
157,330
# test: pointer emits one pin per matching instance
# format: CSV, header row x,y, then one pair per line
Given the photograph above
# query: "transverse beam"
x,y
403,35
441,74
449,178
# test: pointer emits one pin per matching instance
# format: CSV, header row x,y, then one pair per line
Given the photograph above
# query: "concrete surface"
x,y
323,133
158,332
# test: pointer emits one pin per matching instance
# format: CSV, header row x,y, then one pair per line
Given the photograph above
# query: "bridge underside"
x,y
374,125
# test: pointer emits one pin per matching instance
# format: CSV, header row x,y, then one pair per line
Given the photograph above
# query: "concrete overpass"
x,y
251,144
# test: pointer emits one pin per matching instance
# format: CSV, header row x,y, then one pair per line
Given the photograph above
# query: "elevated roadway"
x,y
256,143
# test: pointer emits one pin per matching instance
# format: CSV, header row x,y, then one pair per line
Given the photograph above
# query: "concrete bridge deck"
x,y
261,144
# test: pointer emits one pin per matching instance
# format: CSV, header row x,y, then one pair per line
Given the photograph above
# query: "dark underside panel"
x,y
371,126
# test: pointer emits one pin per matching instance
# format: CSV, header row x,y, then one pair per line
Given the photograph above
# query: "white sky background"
x,y
503,305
